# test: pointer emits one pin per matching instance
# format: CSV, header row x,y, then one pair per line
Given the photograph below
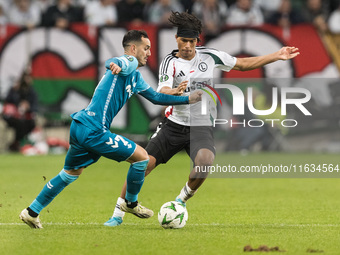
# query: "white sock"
x,y
186,193
117,212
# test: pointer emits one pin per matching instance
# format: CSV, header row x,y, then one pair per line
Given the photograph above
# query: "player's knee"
x,y
69,176
145,156
151,165
75,172
139,155
141,165
204,160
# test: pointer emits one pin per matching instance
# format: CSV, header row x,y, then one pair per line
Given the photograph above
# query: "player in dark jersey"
x,y
90,136
183,128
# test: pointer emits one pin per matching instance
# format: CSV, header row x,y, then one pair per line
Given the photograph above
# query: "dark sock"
x,y
31,213
131,204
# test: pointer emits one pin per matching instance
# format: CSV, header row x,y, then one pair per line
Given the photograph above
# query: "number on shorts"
x,y
114,144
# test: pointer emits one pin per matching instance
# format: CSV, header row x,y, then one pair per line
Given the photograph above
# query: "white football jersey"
x,y
198,72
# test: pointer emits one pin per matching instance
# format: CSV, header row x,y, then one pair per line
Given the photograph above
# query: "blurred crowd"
x,y
215,14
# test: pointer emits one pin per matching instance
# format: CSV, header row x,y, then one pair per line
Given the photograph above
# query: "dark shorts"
x,y
170,138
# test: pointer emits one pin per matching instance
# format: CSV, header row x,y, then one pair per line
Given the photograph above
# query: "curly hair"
x,y
185,20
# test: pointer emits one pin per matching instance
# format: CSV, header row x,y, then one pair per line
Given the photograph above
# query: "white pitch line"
x,y
191,224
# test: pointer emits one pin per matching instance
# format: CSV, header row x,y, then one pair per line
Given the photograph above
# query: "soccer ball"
x,y
172,215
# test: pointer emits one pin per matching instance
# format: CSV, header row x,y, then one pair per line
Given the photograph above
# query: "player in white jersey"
x,y
183,124
199,71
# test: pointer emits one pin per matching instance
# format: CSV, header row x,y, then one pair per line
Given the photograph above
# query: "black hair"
x,y
133,36
185,20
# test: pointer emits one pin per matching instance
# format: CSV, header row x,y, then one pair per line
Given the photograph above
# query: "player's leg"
x,y
149,168
30,215
76,159
202,153
160,149
119,148
204,158
166,143
118,214
134,182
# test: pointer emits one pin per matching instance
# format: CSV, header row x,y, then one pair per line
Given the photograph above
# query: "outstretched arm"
x,y
164,99
246,64
178,91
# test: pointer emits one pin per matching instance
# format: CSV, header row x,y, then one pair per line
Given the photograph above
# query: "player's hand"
x,y
115,69
195,97
286,53
181,88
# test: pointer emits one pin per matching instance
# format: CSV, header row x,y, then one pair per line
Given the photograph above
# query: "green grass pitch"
x,y
224,216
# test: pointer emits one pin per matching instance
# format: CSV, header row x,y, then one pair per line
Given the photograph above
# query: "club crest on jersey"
x,y
163,78
129,58
203,66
